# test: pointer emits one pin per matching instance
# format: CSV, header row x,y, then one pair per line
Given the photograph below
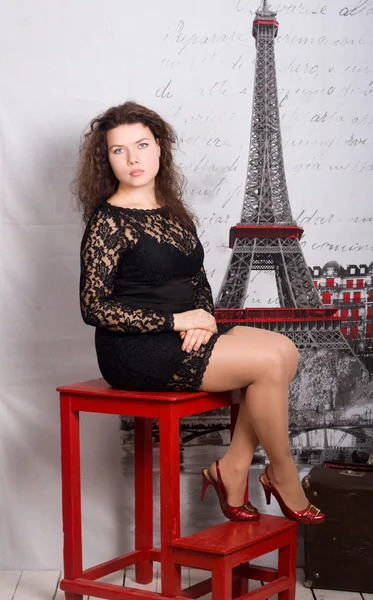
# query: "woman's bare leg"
x,y
271,397
261,365
235,463
253,335
237,460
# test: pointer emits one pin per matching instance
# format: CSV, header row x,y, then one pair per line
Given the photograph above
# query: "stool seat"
x,y
229,537
99,387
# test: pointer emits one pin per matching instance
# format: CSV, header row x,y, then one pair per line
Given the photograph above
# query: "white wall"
x,y
61,64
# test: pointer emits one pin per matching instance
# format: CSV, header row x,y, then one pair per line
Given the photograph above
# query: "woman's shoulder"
x,y
106,222
106,215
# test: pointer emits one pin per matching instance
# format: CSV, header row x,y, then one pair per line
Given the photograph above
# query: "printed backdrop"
x,y
64,62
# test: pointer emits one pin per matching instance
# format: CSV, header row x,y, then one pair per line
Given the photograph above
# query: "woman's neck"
x,y
134,200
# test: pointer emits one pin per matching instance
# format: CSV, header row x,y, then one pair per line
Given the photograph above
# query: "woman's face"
x,y
130,148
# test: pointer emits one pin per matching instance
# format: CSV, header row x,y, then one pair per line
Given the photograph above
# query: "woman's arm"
x,y
202,292
103,242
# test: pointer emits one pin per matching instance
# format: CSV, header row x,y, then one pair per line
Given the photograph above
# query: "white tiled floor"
x,y
43,585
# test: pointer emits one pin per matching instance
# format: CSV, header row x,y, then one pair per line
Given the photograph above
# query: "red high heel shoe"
x,y
309,516
245,512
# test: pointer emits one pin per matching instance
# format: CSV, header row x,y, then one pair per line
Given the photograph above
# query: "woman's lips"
x,y
136,173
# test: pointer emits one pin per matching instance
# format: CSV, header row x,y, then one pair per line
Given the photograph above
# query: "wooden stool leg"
x,y
240,585
143,496
221,580
71,494
169,432
287,565
235,395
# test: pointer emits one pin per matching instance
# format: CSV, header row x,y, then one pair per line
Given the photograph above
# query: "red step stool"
x,y
226,550
168,407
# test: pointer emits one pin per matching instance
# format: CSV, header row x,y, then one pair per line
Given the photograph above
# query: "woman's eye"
x,y
142,145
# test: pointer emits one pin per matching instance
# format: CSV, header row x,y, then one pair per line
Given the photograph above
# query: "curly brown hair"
x,y
95,181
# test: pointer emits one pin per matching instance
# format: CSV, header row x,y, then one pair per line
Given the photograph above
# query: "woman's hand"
x,y
194,338
195,319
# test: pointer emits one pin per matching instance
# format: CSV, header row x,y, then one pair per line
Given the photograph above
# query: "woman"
x,y
144,288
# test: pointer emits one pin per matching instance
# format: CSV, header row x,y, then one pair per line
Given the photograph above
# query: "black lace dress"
x,y
138,267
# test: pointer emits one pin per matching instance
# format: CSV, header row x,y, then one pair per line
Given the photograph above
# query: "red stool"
x,y
226,550
168,407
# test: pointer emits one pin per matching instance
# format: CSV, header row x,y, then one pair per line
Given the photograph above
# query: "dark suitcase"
x,y
339,552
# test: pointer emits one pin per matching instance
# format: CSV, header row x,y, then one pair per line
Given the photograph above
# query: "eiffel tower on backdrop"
x,y
267,237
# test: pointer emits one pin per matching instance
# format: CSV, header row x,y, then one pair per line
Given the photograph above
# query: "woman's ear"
x,y
158,144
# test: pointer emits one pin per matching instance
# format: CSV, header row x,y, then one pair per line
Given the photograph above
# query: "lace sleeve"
x,y
202,292
102,244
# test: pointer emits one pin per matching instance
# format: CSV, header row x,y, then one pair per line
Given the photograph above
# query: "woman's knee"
x,y
274,366
254,335
288,346
290,353
271,343
234,364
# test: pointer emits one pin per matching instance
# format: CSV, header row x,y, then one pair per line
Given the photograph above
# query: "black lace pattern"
x,y
147,248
